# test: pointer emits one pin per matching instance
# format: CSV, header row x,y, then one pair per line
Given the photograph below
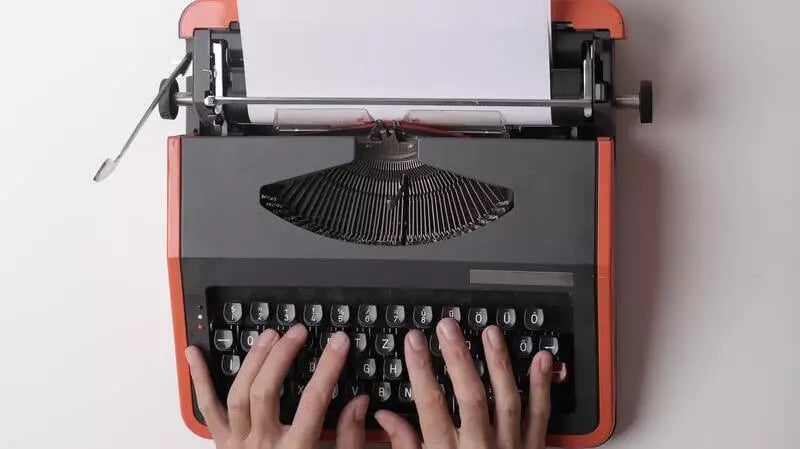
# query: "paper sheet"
x,y
465,49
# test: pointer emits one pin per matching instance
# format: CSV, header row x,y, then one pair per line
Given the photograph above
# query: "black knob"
x,y
646,102
167,104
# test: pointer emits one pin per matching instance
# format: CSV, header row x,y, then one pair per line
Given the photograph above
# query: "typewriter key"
x,y
395,316
312,314
259,312
285,314
232,312
534,318
367,315
384,344
223,339
247,339
506,318
230,364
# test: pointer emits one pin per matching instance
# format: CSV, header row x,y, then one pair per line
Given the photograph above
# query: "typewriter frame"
x,y
204,17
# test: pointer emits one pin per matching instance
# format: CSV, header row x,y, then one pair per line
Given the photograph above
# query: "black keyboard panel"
x,y
376,321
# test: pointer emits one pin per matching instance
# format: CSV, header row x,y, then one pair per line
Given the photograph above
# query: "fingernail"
x,y
416,340
545,364
495,337
297,331
339,341
267,337
449,329
360,411
190,357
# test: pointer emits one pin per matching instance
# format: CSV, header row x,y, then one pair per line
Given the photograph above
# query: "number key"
x,y
286,314
367,315
395,316
259,312
247,339
312,314
232,312
423,316
340,315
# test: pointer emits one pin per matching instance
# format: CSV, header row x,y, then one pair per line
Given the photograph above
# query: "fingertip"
x,y
541,367
298,331
194,357
415,340
340,341
494,336
448,329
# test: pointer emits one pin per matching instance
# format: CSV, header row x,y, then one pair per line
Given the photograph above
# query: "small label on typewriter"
x,y
527,278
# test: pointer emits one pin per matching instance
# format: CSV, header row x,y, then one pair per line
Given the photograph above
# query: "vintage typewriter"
x,y
377,228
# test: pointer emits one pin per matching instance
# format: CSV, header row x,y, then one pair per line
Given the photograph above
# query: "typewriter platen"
x,y
377,228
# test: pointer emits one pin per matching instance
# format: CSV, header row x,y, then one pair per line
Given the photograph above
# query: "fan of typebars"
x,y
386,196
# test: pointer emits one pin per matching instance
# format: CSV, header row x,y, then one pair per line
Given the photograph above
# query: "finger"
x,y
467,386
435,422
539,407
400,432
507,412
266,388
350,429
205,394
316,397
239,394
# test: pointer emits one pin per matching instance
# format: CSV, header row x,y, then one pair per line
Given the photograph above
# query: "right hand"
x,y
511,429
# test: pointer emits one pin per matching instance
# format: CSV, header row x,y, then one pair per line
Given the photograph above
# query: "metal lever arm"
x,y
109,165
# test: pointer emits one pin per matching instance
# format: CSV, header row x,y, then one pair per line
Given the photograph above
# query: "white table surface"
x,y
707,228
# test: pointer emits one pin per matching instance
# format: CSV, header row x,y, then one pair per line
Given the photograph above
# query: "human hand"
x,y
475,432
252,420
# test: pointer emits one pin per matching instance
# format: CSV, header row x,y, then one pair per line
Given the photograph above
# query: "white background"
x,y
707,228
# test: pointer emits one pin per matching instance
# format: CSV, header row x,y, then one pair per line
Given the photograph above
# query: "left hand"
x,y
252,421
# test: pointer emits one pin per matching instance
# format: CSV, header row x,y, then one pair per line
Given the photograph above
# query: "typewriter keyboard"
x,y
377,324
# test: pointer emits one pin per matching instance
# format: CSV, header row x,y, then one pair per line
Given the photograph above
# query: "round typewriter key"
x,y
367,315
247,339
223,339
506,318
480,367
434,345
549,343
312,314
230,364
392,369
406,395
381,391
423,316
477,318
395,316
523,346
384,344
232,312
340,315
285,314
366,369
359,343
259,312
451,312
534,318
